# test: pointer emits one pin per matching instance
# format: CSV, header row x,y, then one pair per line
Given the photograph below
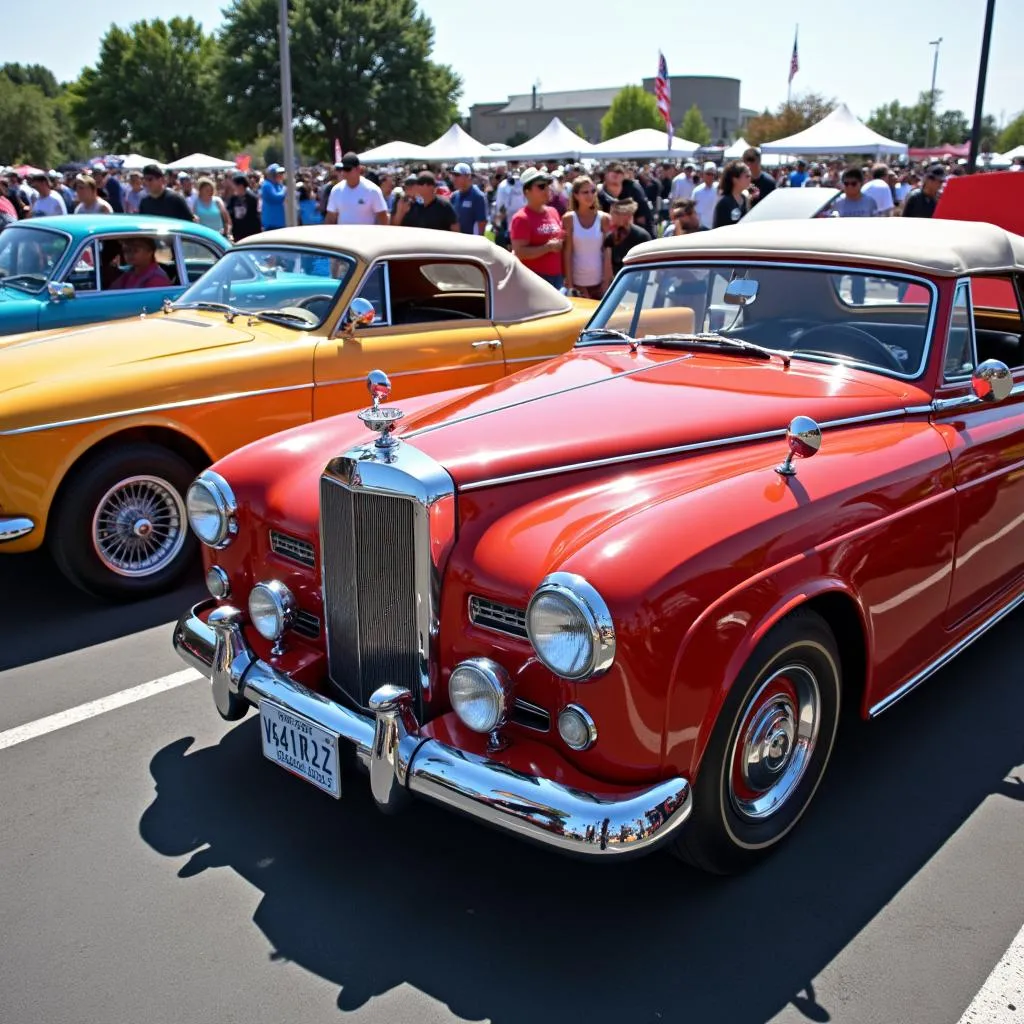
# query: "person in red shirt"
x,y
536,230
140,255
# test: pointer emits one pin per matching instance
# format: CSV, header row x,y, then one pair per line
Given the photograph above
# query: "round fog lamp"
x,y
271,609
211,509
576,728
217,582
481,694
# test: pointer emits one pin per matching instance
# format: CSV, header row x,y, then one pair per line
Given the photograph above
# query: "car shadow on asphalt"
x,y
498,929
43,615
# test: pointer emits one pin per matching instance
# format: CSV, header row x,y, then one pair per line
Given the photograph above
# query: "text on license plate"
x,y
300,746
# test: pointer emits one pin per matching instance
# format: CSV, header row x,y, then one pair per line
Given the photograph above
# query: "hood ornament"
x,y
383,421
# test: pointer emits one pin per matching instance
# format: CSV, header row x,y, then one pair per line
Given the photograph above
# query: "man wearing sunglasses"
x,y
853,202
161,201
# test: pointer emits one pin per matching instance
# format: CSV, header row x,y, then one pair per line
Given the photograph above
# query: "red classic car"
x,y
611,601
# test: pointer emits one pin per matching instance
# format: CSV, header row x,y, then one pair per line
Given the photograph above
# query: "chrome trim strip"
x,y
967,401
124,413
946,657
723,442
412,373
13,527
402,761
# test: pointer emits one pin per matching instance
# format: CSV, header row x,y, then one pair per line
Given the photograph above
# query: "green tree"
x,y
1012,135
33,74
631,109
155,89
28,127
361,73
694,128
909,124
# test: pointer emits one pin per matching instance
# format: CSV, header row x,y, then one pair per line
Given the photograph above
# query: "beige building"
x,y
525,114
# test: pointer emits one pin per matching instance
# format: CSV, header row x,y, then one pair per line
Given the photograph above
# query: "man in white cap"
x,y
683,183
469,202
705,195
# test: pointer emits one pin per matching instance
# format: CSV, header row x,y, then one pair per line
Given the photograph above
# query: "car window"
x,y
198,257
436,291
959,359
374,290
28,256
114,266
82,273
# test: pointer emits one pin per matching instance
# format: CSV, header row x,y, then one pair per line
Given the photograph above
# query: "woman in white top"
x,y
583,247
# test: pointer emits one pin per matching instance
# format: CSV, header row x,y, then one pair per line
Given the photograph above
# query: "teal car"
x,y
58,271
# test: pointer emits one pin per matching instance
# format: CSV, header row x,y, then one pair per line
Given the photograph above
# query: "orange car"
x,y
103,428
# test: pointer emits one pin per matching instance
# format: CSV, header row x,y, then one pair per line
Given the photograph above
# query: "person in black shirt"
x,y
623,236
425,209
922,201
733,203
761,180
160,200
244,209
616,186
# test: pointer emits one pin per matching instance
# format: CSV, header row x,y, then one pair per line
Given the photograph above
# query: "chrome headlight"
x,y
481,694
570,627
212,509
271,609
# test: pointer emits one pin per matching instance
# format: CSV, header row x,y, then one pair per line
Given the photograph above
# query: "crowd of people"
x,y
573,225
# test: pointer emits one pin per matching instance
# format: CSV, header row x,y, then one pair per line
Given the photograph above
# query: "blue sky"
x,y
864,53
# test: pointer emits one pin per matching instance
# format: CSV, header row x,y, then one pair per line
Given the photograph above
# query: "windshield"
x,y
879,321
299,284
29,256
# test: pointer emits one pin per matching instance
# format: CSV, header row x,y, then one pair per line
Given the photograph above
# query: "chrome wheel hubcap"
x,y
775,741
138,526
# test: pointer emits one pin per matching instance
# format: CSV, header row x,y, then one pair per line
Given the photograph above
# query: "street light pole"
x,y
931,96
979,99
286,117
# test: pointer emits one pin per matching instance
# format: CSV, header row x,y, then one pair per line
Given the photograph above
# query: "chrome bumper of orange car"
x,y
13,527
401,761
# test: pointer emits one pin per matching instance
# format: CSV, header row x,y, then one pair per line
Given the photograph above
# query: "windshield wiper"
x,y
608,332
720,343
230,312
28,278
279,314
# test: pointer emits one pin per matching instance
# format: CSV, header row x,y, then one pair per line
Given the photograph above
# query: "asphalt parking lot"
x,y
155,867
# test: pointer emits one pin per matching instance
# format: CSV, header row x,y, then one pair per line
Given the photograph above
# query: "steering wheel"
x,y
844,340
310,301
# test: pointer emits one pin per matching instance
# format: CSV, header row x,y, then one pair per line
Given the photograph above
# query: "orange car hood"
x,y
602,403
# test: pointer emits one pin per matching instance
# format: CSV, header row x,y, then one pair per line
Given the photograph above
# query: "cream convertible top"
x,y
945,247
519,294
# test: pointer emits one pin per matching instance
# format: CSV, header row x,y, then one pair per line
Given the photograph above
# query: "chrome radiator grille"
x,y
369,589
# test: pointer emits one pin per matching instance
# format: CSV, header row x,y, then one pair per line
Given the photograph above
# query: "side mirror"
x,y
740,292
360,314
60,292
804,440
992,381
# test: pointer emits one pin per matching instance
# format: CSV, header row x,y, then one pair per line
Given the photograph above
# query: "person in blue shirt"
x,y
469,202
272,195
799,176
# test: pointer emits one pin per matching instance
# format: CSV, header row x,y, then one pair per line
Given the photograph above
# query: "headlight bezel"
x,y
590,605
283,604
223,499
497,679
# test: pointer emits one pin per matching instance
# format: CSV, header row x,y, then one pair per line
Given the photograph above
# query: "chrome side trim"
x,y
124,413
13,527
967,401
402,761
414,373
946,657
722,442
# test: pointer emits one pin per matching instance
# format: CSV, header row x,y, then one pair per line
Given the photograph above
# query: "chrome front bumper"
x,y
401,761
13,527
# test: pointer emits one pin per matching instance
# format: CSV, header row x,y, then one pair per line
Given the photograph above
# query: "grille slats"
x,y
294,548
306,624
369,579
500,617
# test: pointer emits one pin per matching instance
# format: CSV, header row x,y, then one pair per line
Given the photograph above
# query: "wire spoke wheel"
x,y
138,527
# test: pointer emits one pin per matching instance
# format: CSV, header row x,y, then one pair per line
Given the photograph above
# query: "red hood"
x,y
603,402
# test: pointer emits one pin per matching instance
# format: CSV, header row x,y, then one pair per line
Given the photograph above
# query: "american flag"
x,y
794,61
337,151
663,94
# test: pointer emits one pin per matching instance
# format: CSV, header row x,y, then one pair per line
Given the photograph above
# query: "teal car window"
x,y
29,256
301,284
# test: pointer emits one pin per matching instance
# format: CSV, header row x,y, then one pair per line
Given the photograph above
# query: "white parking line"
x,y
1001,999
62,719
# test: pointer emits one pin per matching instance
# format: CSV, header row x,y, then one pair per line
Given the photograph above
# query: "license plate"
x,y
301,747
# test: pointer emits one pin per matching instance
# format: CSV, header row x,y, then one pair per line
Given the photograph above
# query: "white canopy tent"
x,y
736,150
201,162
838,132
392,152
555,142
1007,158
644,142
456,144
136,162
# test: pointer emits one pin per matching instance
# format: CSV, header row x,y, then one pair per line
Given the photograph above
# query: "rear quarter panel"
x,y
533,341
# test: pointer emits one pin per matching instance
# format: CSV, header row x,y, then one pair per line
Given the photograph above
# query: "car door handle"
x,y
490,343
